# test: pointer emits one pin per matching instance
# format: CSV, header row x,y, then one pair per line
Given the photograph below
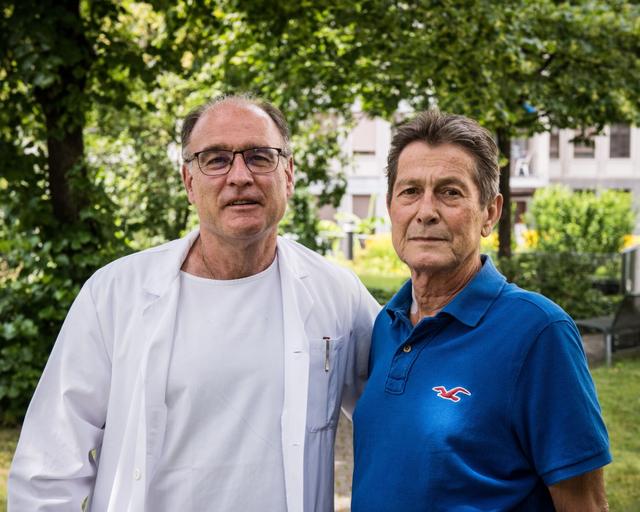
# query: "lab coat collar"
x,y
168,268
176,252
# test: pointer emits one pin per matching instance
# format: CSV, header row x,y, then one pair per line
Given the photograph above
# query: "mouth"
x,y
427,239
243,202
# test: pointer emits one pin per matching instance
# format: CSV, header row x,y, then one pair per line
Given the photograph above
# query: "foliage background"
x,y
91,90
578,237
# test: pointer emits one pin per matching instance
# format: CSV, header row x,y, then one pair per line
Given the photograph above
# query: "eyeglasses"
x,y
217,162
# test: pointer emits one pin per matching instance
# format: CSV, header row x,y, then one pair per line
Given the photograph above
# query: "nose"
x,y
427,210
239,174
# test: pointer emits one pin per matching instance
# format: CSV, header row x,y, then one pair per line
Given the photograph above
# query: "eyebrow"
x,y
408,182
451,181
228,147
443,182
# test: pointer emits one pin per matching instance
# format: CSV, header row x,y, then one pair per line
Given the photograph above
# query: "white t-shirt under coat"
x,y
223,447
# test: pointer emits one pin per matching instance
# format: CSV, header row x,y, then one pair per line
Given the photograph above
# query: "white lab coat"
x,y
104,385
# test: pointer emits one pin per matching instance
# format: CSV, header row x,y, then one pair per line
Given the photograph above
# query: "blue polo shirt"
x,y
480,407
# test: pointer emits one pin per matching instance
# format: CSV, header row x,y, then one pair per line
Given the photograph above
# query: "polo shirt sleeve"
x,y
555,410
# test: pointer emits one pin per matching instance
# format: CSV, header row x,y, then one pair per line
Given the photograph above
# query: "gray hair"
x,y
437,128
271,110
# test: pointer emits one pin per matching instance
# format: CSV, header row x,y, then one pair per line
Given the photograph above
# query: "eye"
x,y
261,157
258,159
451,192
213,159
409,191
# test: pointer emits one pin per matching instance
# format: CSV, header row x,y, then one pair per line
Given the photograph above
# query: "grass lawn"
x,y
380,281
8,440
619,394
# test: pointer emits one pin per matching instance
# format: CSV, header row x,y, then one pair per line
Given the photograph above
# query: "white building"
x,y
613,161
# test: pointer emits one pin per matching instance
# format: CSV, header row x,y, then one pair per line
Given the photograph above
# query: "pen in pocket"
x,y
326,339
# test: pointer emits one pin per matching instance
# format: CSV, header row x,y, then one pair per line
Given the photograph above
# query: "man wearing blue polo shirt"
x,y
479,396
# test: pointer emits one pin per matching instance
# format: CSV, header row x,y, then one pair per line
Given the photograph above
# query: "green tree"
x,y
59,61
518,67
530,66
89,96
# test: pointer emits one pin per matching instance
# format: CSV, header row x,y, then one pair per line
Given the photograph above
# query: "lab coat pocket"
x,y
326,377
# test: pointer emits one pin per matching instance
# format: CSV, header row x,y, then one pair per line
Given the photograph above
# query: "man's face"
x,y
436,216
238,206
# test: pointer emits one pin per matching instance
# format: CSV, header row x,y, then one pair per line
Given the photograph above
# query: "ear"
x,y
494,210
187,180
289,176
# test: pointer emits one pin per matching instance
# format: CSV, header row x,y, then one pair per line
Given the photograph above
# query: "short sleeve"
x,y
555,410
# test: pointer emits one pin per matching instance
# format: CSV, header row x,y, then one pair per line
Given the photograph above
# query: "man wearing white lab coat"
x,y
206,373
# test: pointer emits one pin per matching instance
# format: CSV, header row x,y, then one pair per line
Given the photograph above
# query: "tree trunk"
x,y
65,151
63,108
504,227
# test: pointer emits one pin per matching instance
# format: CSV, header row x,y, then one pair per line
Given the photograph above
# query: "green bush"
x,y
580,222
41,271
576,248
382,295
565,278
379,257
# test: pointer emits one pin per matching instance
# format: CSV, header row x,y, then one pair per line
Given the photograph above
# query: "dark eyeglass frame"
x,y
196,156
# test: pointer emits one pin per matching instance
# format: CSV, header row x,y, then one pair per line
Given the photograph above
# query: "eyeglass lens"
x,y
219,161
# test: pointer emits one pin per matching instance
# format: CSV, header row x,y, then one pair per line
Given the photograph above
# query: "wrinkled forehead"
x,y
421,158
235,125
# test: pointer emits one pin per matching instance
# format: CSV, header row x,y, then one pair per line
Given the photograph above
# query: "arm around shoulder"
x,y
53,467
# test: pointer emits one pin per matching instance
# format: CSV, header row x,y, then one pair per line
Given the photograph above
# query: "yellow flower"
x,y
531,238
630,241
489,243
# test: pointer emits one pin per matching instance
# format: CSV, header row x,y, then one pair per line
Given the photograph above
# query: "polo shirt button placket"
x,y
400,365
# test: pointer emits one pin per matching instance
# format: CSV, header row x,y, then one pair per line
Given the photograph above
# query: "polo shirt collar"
x,y
471,303
400,303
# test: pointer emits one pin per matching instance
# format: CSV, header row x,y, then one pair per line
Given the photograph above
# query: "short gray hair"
x,y
437,128
271,110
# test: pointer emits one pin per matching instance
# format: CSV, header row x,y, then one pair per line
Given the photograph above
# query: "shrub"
x,y
574,248
43,269
565,278
382,295
580,222
379,257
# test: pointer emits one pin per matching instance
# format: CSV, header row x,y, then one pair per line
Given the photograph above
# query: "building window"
x,y
361,205
327,212
620,141
364,137
554,143
520,157
584,146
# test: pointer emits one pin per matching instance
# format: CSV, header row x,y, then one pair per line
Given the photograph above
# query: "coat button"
x,y
406,348
137,474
